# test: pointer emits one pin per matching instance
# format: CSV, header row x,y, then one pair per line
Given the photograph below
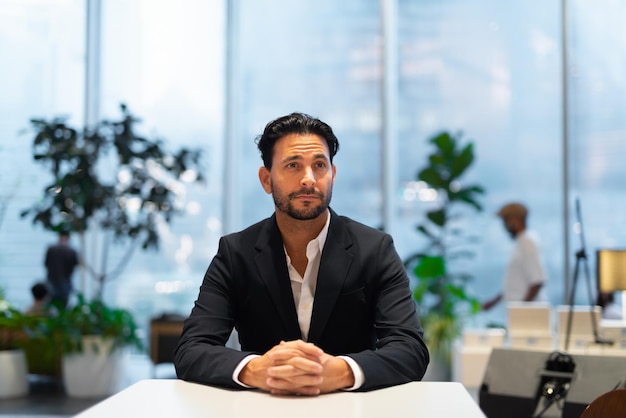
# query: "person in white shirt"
x,y
525,274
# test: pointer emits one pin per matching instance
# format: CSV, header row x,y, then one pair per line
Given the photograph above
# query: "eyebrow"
x,y
319,156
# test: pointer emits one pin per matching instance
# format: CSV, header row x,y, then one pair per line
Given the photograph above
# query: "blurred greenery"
x,y
109,177
11,321
46,337
93,318
441,294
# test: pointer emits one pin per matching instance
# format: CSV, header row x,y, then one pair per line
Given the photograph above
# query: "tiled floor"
x,y
48,400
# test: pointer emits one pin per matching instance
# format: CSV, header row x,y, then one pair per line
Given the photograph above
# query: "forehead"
x,y
300,145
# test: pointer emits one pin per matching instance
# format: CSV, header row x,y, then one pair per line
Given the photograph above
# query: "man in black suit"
x,y
320,302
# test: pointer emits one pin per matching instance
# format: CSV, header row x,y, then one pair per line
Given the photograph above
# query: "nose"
x,y
308,179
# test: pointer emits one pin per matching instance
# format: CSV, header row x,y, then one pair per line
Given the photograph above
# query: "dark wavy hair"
x,y
294,123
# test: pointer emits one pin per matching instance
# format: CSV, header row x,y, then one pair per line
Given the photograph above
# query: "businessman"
x,y
321,303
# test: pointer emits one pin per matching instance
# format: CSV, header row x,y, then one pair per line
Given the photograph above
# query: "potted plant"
x,y
110,178
441,292
13,378
91,336
94,318
43,355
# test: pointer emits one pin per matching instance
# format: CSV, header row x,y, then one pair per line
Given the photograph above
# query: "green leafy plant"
x,y
441,293
30,334
44,338
93,318
11,323
109,177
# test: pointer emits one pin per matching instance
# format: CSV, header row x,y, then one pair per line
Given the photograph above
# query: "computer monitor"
x,y
530,325
529,318
582,329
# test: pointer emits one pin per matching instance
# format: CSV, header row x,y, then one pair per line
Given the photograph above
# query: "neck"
x,y
296,233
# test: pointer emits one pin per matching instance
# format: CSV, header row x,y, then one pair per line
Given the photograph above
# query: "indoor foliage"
x,y
440,293
109,177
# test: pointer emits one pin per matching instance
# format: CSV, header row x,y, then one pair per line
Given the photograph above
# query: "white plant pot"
x,y
94,372
13,374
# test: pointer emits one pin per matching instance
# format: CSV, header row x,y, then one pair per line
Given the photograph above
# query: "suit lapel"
x,y
334,267
272,266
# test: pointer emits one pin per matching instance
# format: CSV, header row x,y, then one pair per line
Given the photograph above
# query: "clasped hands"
x,y
297,368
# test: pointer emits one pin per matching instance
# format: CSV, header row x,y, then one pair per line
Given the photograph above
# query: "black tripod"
x,y
581,257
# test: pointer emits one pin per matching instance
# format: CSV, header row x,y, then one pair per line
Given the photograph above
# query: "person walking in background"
x,y
525,274
41,298
320,302
60,261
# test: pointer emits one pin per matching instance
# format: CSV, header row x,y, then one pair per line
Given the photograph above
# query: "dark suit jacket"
x,y
363,306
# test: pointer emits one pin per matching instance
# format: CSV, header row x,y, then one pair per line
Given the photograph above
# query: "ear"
x,y
334,172
264,177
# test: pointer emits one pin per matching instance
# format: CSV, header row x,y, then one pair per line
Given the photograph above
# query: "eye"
x,y
320,164
292,165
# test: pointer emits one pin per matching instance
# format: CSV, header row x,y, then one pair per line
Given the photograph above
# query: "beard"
x,y
511,230
311,210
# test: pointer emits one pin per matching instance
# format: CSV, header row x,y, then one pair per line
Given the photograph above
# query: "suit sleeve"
x,y
401,355
201,355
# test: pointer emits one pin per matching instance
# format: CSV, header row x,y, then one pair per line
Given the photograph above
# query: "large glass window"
x,y
597,126
322,58
491,71
42,45
165,60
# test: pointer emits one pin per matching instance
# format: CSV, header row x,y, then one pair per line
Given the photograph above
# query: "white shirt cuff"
x,y
240,367
359,377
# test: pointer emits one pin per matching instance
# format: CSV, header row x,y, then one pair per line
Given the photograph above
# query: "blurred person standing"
x,y
60,261
525,274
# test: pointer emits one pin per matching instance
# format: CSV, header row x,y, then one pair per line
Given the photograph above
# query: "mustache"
x,y
306,191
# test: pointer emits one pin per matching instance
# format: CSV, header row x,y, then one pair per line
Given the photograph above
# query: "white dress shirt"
x,y
303,289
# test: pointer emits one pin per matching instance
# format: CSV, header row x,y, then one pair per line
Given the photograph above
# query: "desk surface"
x,y
176,398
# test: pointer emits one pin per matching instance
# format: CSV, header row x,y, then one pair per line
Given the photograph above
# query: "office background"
x,y
538,86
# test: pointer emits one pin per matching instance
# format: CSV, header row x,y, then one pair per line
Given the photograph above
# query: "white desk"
x,y
176,398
